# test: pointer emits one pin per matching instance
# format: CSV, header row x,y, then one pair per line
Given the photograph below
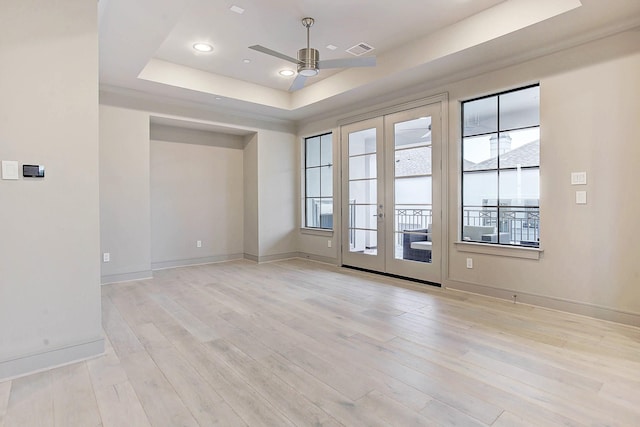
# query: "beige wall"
x,y
277,194
250,164
589,122
124,194
196,194
49,259
237,194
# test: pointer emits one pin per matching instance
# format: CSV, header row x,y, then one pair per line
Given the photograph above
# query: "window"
x,y
318,172
501,168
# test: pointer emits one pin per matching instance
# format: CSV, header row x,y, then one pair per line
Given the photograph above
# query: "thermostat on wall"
x,y
33,171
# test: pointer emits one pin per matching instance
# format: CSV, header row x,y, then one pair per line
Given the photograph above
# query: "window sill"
x,y
499,250
316,231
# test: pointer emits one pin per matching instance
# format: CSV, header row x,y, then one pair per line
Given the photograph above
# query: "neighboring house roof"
x,y
415,161
526,155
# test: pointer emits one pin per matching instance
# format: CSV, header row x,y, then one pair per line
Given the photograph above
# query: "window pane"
x,y
519,148
413,191
313,213
326,182
363,191
326,149
413,161
480,188
319,213
479,224
520,108
362,166
312,152
522,226
480,116
313,182
520,187
362,142
480,153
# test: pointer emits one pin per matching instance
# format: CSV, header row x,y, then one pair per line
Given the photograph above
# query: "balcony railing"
x,y
521,224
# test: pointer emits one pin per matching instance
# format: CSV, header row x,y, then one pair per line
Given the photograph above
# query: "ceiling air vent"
x,y
360,49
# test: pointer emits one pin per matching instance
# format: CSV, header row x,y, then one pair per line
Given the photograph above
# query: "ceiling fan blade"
x,y
298,83
273,53
367,61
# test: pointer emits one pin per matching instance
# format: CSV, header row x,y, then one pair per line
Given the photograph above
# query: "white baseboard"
x,y
195,261
277,257
35,362
560,304
126,277
318,258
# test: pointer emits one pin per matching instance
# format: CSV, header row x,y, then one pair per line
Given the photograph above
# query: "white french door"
x,y
391,197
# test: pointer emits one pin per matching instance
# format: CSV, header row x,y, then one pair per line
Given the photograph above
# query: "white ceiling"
x,y
146,45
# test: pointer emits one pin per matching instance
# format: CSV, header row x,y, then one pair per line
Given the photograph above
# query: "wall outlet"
x,y
106,257
469,262
198,243
328,243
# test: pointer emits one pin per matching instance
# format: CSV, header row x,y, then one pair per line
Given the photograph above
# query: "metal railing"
x,y
522,224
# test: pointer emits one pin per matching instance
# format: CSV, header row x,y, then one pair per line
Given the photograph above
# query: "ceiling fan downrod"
x,y
308,57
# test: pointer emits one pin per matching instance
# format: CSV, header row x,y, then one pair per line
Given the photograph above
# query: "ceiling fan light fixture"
x,y
307,72
308,65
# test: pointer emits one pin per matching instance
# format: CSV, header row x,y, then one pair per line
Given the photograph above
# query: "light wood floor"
x,y
302,343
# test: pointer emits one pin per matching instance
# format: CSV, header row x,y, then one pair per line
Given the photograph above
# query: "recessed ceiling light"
x,y
246,60
203,47
237,9
331,47
286,73
218,98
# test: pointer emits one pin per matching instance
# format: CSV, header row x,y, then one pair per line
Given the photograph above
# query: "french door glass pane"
x,y
412,190
364,241
413,132
363,166
413,161
362,142
363,192
363,216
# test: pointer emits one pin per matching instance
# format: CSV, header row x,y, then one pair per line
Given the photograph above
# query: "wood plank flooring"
x,y
297,343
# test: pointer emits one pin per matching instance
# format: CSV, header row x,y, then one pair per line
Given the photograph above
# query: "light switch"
x,y
581,197
10,169
578,178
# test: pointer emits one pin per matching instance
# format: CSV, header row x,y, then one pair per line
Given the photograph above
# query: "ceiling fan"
x,y
309,62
